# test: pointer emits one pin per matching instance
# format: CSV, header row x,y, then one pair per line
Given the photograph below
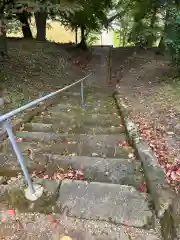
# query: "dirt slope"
x,y
35,68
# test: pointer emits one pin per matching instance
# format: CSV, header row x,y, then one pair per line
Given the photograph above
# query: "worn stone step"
x,y
95,107
111,119
88,94
32,148
89,91
10,167
77,228
113,203
119,204
112,170
83,114
77,121
88,97
117,171
78,138
42,127
45,137
86,145
60,121
70,124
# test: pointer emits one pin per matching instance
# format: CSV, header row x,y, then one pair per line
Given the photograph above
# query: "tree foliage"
x,y
140,22
91,17
147,22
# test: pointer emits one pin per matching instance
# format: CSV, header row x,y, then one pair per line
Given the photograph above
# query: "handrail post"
x,y
8,127
82,94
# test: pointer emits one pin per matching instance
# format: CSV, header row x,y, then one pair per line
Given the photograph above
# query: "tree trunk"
x,y
83,44
23,18
40,18
3,39
150,39
76,35
161,45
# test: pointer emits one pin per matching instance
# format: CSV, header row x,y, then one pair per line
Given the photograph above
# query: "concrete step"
x,y
64,121
82,145
85,116
10,167
119,204
89,96
113,203
95,107
78,138
57,120
104,93
43,127
110,170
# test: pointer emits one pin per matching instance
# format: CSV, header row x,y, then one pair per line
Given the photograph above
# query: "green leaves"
x,y
93,15
172,35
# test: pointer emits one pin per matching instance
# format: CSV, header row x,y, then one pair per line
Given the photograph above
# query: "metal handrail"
x,y
32,189
37,101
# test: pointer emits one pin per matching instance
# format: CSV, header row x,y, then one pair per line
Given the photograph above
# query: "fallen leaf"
x,y
123,144
12,212
126,228
45,177
178,172
173,176
143,188
51,219
19,139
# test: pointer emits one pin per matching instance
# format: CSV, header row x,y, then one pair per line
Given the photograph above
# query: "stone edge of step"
x,y
164,198
9,163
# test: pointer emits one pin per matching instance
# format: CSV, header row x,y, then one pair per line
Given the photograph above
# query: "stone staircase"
x,y
92,141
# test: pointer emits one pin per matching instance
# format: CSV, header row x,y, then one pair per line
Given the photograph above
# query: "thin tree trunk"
x,y
161,45
3,29
150,39
23,18
40,18
76,35
3,39
124,37
83,44
119,38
